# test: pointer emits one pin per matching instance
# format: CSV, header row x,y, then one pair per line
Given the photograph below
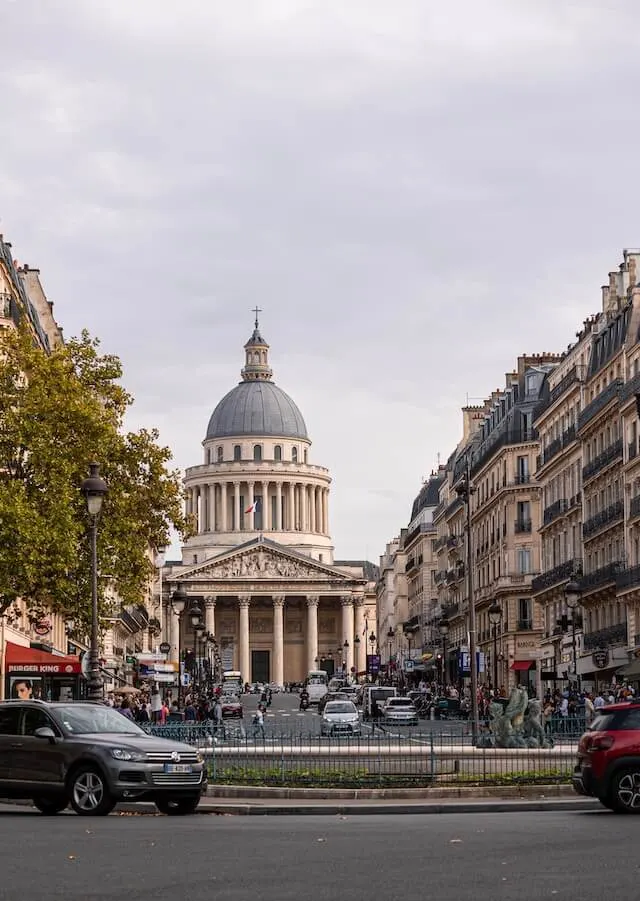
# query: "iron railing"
x,y
610,454
557,574
628,578
611,392
553,511
604,518
634,507
601,576
603,638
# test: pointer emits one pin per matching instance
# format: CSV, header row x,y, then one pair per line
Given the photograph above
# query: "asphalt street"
x,y
484,857
284,717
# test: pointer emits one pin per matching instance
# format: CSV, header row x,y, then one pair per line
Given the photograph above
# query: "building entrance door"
x,y
260,666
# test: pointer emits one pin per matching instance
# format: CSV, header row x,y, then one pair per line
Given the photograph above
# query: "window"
x,y
220,454
522,470
524,560
306,456
294,454
524,613
9,720
35,719
277,452
257,453
237,453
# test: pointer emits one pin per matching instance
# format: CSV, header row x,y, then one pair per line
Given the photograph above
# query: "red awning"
x,y
19,659
522,664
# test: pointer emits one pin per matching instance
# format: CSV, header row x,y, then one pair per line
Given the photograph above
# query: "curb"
x,y
372,809
426,794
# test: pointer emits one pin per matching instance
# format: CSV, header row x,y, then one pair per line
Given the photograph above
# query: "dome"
x,y
257,408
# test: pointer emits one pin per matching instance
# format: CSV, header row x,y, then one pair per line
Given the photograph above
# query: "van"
x,y
373,699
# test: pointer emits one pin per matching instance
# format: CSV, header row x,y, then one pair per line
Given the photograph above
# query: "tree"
x,y
59,412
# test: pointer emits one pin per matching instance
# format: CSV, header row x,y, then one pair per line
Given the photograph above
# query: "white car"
x,y
400,712
340,718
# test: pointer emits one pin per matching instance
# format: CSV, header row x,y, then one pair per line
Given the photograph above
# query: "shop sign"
x,y
47,669
600,659
527,648
43,626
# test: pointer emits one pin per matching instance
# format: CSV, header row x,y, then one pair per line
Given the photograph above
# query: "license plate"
x,y
177,768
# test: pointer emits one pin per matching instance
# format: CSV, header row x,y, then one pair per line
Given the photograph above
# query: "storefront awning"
x,y
19,659
631,670
522,665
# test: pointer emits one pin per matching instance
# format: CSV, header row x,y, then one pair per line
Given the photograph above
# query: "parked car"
x,y
331,696
91,756
231,706
400,712
340,718
608,766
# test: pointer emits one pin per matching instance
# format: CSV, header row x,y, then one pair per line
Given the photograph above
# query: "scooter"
x,y
304,703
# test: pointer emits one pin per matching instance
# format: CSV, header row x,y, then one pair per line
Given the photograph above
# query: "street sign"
x,y
130,660
408,666
165,647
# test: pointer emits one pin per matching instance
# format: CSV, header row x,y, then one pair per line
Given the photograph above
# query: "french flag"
x,y
253,508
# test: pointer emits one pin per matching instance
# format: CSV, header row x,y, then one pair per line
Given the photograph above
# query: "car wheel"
x,y
625,790
49,806
89,793
177,807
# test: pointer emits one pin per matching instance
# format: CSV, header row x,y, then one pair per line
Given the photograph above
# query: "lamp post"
x,y
94,489
179,600
159,559
443,626
345,648
199,631
390,636
572,595
356,654
495,618
464,491
195,618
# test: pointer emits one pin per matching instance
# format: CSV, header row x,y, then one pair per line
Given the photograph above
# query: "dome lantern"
x,y
256,365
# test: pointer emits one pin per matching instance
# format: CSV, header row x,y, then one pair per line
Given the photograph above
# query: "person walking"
x,y
258,723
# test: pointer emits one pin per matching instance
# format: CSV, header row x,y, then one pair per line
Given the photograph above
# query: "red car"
x,y
608,765
231,706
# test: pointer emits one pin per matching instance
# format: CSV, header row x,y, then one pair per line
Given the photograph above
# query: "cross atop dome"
x,y
256,367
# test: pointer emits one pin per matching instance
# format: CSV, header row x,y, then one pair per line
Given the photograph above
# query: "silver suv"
x,y
91,756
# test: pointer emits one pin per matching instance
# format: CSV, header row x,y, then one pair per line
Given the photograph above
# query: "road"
x,y
284,717
484,857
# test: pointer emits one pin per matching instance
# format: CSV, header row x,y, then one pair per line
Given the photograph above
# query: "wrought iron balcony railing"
x,y
604,638
558,574
609,455
597,405
614,513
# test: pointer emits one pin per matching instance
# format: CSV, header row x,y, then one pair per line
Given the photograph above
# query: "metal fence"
x,y
368,760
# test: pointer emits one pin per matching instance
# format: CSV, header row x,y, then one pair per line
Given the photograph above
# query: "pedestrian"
x,y
258,722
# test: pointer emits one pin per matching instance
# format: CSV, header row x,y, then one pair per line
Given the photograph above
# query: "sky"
x,y
414,193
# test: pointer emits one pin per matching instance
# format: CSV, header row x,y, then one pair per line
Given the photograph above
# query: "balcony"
x,y
452,542
632,449
441,542
604,638
634,507
522,478
603,520
410,564
521,526
598,404
525,625
451,611
630,388
558,574
8,308
440,577
609,455
628,578
600,577
558,508
453,507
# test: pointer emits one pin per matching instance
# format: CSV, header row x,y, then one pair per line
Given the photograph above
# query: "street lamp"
x,y
179,600
443,625
464,491
495,618
572,595
94,489
199,630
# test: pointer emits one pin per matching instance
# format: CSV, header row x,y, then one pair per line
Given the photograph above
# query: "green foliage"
x,y
59,412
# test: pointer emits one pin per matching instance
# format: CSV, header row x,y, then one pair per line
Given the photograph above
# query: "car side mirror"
x,y
47,733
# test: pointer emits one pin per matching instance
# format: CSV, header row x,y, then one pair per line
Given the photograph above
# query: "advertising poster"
x,y
25,688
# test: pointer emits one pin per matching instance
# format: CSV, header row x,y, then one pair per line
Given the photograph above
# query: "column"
x,y
303,508
360,630
210,614
174,636
278,639
326,511
244,656
312,508
212,508
318,509
278,523
266,508
347,628
206,510
291,512
249,502
236,506
224,521
312,630
196,508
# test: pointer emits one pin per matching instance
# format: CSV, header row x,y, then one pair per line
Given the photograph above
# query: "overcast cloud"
x,y
414,192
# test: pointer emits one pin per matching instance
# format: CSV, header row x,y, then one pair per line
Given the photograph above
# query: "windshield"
x,y
81,720
400,702
339,707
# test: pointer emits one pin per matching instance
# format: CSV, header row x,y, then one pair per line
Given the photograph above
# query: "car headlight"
x,y
126,754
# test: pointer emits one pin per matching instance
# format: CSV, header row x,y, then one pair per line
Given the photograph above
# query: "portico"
x,y
274,609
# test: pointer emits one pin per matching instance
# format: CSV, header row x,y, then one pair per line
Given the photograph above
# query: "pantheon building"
x,y
261,563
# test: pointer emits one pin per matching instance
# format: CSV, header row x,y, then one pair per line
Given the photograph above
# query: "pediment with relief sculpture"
x,y
262,561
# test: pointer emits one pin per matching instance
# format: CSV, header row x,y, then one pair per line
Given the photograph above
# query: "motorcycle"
x,y
304,703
